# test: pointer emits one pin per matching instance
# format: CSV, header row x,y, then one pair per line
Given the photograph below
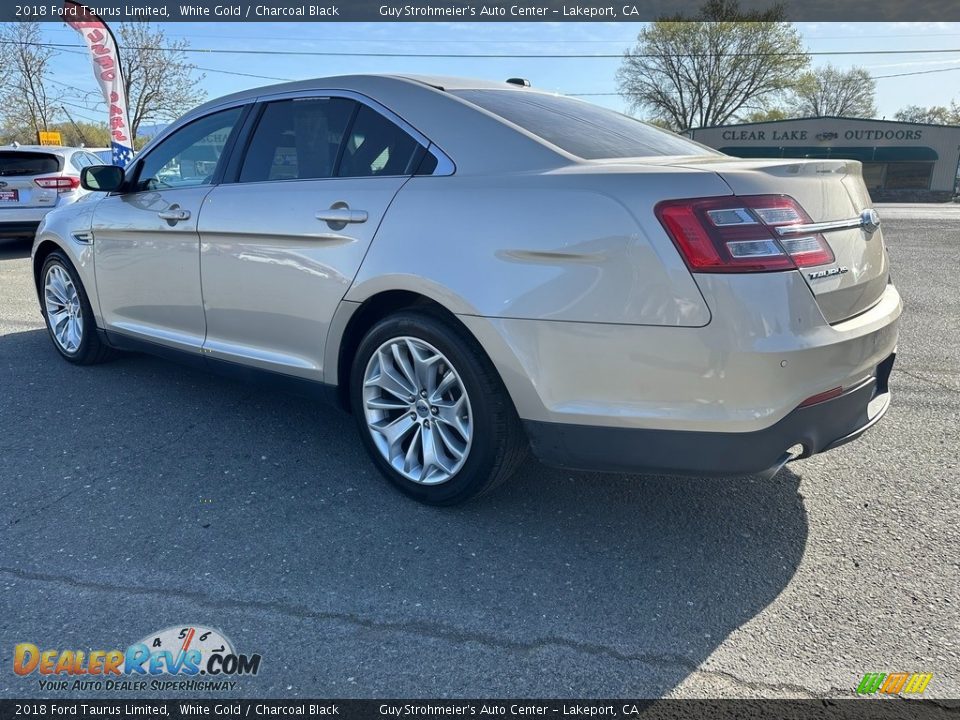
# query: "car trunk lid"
x,y
830,191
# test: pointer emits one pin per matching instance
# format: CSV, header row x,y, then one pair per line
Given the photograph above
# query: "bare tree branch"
x,y
831,92
159,79
706,72
28,100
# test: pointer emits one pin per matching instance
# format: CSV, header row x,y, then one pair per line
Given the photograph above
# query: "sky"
x,y
592,76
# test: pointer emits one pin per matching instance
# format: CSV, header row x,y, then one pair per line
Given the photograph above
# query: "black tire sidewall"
x,y
460,350
89,341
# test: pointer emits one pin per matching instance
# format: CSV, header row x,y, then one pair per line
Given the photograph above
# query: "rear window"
x,y
27,163
582,129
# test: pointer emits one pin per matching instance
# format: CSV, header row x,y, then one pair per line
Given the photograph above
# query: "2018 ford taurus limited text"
x,y
474,268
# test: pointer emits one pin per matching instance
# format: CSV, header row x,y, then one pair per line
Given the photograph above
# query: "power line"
x,y
483,56
874,77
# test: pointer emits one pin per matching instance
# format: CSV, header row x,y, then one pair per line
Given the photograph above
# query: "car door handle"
x,y
342,216
174,214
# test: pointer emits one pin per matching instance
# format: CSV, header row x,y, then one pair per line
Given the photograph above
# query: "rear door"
x,y
282,242
19,169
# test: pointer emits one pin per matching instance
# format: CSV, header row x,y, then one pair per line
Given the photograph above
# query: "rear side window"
x,y
378,147
297,140
79,161
581,129
28,163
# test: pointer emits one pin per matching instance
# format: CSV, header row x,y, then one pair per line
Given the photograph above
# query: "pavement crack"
x,y
16,521
431,630
929,381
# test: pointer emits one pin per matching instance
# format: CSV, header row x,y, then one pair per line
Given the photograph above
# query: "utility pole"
x,y
76,127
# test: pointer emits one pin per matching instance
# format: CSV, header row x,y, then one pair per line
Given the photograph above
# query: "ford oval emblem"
x,y
870,221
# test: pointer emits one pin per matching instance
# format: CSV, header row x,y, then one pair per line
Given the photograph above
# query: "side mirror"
x,y
102,178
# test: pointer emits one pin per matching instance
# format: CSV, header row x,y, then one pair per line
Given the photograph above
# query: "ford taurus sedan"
x,y
476,268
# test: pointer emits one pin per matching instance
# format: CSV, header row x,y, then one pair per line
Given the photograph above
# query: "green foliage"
x,y
776,113
726,63
935,114
831,92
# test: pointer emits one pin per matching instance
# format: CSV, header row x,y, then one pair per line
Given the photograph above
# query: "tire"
x,y
60,286
495,443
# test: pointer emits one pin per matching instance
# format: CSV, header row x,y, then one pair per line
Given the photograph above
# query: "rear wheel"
x,y
68,314
432,411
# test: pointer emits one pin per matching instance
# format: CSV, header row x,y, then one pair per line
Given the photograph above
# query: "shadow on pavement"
x,y
216,489
15,248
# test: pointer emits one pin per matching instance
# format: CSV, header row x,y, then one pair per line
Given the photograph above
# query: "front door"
x,y
282,242
146,245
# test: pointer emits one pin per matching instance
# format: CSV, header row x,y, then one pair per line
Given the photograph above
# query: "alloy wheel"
x,y
64,311
417,410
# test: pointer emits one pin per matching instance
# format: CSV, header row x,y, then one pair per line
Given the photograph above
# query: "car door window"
x,y
190,156
378,147
79,161
297,140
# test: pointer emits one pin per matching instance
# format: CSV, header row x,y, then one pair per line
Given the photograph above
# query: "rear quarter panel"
x,y
576,245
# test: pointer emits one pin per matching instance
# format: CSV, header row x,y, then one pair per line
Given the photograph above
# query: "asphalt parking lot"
x,y
138,495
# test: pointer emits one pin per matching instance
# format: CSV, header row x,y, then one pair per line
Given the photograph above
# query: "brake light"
x,y
60,184
738,234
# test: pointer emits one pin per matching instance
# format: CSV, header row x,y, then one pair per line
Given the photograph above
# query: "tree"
x,y
771,114
80,132
831,92
708,71
158,78
934,115
28,99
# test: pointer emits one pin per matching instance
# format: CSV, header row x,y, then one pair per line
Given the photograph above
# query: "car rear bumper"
x,y
816,428
18,228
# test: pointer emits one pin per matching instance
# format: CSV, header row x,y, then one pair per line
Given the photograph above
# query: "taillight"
x,y
60,184
738,234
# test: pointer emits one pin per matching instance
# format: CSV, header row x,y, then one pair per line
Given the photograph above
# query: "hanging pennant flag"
x,y
106,68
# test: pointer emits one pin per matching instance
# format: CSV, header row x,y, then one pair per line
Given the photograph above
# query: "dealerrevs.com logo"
x,y
199,658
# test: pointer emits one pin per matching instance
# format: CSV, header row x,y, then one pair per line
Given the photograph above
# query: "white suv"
x,y
34,180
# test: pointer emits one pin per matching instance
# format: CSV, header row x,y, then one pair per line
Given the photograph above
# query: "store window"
x,y
873,174
908,176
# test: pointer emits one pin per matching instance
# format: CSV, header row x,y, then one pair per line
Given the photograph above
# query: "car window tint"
x,y
79,161
189,157
297,140
378,147
17,162
582,129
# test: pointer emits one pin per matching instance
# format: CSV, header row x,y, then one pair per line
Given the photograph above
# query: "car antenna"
x,y
522,82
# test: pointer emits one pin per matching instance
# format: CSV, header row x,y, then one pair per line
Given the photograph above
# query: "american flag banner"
x,y
106,68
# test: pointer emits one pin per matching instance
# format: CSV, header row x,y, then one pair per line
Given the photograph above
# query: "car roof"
x,y
359,83
63,149
452,123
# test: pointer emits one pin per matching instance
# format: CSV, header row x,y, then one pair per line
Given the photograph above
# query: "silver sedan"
x,y
476,268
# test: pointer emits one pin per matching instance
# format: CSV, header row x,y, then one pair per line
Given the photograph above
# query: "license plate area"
x,y
9,196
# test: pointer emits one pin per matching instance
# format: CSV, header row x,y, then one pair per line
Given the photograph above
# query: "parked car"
x,y
35,179
475,267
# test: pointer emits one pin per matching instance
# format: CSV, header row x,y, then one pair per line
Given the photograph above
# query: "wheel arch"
x,y
40,255
353,320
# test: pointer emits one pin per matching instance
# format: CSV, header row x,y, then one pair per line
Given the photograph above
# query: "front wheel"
x,y
432,410
67,312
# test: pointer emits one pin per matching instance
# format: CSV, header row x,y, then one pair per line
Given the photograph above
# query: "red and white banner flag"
x,y
106,68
